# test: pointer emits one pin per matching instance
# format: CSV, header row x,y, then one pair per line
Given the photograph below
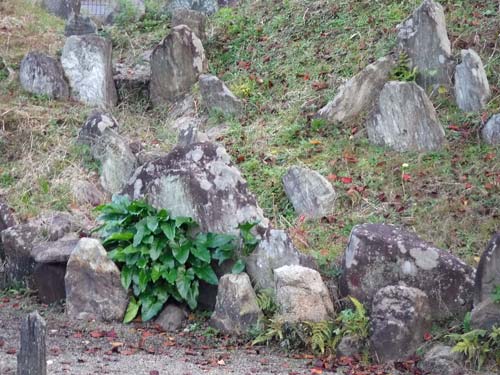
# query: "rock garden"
x,y
246,187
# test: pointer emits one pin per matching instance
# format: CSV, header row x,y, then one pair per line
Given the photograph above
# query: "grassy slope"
x,y
276,54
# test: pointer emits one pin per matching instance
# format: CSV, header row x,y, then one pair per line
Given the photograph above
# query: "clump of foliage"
x,y
162,257
496,294
478,345
403,71
319,337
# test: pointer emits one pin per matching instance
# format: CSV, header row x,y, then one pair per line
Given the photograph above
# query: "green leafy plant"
x,y
267,302
162,257
353,322
403,71
321,335
478,345
495,295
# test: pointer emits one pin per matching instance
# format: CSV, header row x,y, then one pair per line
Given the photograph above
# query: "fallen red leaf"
x,y
454,127
97,334
427,336
244,65
11,351
154,372
346,180
406,177
332,177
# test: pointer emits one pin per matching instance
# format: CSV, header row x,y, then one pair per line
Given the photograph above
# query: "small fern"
x,y
273,331
478,346
403,71
354,322
321,334
267,302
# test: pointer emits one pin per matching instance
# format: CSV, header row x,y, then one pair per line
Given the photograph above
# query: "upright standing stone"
x,y
311,194
176,64
32,357
43,75
486,312
491,131
193,19
216,96
79,25
400,318
86,60
359,93
404,119
424,38
93,286
472,90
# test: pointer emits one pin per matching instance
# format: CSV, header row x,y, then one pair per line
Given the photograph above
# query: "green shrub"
x,y
402,71
478,346
162,257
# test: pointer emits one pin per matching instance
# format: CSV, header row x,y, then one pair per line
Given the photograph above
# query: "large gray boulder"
x,y
118,162
358,94
196,21
400,317
176,64
472,90
486,312
201,182
274,250
93,286
404,119
236,309
61,8
216,96
311,194
302,295
379,255
86,60
491,131
203,6
424,38
442,360
43,75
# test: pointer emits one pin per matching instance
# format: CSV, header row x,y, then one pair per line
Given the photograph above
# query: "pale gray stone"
x,y
443,361
203,6
400,317
379,255
93,286
201,182
172,317
55,251
196,21
491,131
236,309
472,90
274,250
404,119
349,346
358,94
485,315
176,64
216,96
118,162
43,75
86,60
190,132
302,295
424,38
311,194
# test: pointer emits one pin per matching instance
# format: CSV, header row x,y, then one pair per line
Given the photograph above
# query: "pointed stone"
x,y
404,119
217,96
472,89
491,131
424,38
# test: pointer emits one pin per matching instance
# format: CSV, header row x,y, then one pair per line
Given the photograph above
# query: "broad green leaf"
x,y
192,295
118,236
155,251
142,262
130,249
169,230
201,252
148,240
216,240
143,279
156,273
180,221
132,259
149,312
247,226
132,310
207,274
162,214
167,260
238,267
126,277
117,256
161,292
181,252
222,255
139,235
170,275
152,223
183,282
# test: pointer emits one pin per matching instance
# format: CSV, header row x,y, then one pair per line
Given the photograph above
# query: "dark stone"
x,y
7,218
400,318
79,25
48,279
43,75
379,255
488,271
443,361
32,357
172,318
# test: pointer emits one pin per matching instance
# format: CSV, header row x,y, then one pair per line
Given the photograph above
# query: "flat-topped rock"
x,y
55,251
